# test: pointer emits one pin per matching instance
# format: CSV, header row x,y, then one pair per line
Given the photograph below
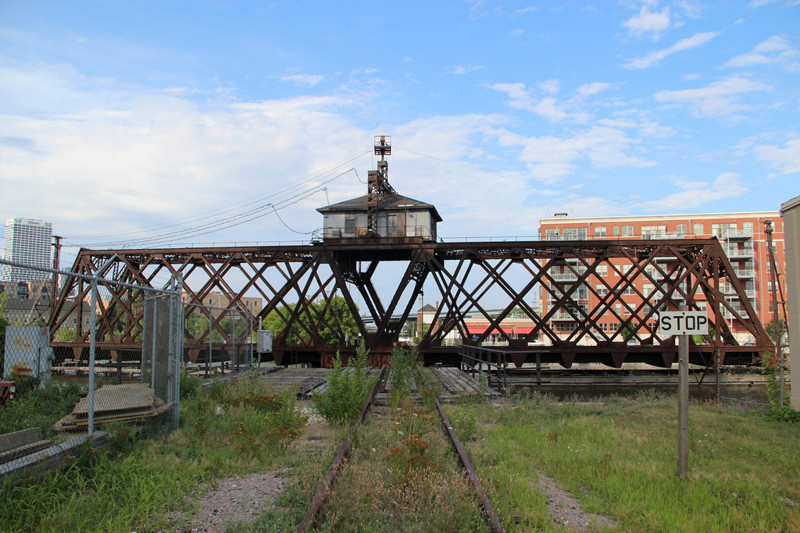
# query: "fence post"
x,y
153,336
178,333
210,346
92,343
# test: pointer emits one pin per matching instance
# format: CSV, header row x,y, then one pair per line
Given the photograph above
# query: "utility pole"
x,y
56,266
774,303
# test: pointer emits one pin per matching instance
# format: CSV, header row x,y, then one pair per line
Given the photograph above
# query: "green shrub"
x,y
39,407
403,363
189,384
347,389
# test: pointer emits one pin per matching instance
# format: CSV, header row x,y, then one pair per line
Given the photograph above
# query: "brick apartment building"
x,y
741,236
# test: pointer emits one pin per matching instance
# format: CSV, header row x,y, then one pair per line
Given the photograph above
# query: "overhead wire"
x,y
146,232
230,222
234,216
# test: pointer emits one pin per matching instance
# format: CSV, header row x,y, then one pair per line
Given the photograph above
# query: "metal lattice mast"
x,y
378,183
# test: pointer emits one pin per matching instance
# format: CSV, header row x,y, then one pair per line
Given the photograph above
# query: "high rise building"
x,y
27,242
742,236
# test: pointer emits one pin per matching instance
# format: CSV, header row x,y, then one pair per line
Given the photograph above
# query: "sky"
x,y
143,124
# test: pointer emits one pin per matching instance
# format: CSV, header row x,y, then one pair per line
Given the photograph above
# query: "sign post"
x,y
683,323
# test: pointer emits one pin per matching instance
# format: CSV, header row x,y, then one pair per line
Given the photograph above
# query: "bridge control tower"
x,y
381,213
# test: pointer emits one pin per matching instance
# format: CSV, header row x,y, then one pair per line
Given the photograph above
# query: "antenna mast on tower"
x,y
378,182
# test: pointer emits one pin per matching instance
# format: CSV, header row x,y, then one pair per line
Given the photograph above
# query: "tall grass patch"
x,y
236,429
346,388
402,476
620,459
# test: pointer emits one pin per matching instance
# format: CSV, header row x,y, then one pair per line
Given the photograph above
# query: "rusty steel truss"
x,y
301,286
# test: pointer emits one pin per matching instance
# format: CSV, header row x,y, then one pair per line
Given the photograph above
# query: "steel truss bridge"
x,y
302,284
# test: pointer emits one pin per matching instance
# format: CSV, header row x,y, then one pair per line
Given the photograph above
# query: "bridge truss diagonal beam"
x,y
580,284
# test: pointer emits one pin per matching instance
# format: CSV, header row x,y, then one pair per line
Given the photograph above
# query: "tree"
x,y
626,329
330,320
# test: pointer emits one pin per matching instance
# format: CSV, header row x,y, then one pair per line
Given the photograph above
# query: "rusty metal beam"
x,y
299,283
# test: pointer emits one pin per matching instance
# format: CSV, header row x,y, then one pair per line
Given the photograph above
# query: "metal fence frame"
x,y
173,290
208,311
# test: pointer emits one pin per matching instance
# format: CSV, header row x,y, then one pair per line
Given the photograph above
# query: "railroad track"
x,y
326,487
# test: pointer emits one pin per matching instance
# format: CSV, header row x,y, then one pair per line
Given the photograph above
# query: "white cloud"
x,y
653,58
112,161
786,160
552,158
551,86
304,79
648,23
697,193
466,69
775,50
720,99
590,89
547,107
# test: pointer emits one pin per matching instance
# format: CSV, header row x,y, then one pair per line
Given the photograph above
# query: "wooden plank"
x,y
24,450
9,441
118,398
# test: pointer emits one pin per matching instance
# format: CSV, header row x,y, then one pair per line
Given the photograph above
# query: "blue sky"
x,y
154,123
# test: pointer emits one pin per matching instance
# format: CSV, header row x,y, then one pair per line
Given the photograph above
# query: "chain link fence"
x,y
64,376
218,337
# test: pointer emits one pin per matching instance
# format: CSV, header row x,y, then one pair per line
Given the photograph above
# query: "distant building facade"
x,y
791,215
219,302
741,235
27,241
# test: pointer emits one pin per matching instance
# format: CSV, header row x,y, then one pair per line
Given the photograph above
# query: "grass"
x,y
235,429
347,389
620,459
402,476
35,407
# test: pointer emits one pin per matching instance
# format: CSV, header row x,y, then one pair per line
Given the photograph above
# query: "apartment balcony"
x,y
745,273
564,278
663,236
730,316
738,234
563,317
734,252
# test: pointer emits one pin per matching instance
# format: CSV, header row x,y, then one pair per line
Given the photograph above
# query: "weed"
x,y
148,478
190,385
347,389
39,408
403,363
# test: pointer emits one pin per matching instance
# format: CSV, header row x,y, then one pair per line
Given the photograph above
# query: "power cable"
x,y
231,221
144,232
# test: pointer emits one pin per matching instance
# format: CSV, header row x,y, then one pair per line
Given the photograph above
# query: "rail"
x,y
324,490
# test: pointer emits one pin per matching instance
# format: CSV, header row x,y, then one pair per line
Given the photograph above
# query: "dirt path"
x,y
567,512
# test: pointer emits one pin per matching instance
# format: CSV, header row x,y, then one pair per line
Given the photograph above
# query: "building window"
x,y
601,289
682,230
616,231
551,234
575,234
653,232
602,270
599,231
627,231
